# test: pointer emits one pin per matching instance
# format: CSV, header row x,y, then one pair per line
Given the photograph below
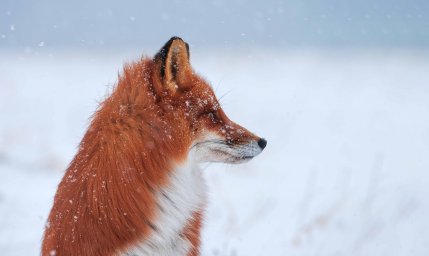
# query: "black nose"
x,y
262,143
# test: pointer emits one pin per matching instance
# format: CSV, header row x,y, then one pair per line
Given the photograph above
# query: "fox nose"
x,y
262,143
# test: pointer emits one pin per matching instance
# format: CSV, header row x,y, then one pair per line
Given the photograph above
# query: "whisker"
x,y
221,97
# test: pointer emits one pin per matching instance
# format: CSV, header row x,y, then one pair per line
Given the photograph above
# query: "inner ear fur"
x,y
172,65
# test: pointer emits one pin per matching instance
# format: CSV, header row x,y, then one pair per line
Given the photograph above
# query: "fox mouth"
x,y
217,150
230,158
243,159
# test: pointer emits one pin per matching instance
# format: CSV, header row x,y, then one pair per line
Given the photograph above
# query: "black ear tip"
x,y
175,38
162,53
170,42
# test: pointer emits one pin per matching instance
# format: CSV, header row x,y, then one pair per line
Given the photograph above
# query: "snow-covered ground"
x,y
345,172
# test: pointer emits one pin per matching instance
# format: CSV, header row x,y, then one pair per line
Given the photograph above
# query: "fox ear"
x,y
172,65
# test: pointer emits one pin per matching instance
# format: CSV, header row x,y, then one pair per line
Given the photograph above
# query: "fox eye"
x,y
213,116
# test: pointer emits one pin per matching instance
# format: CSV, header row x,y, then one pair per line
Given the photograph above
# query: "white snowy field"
x,y
345,172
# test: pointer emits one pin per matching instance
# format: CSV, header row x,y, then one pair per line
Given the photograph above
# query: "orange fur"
x,y
105,201
192,233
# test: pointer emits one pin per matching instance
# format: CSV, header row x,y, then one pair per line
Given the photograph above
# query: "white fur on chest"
x,y
177,201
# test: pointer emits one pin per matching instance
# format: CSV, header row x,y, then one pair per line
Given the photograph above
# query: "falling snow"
x,y
345,168
340,91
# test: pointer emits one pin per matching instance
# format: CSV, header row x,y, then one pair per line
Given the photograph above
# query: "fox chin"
x,y
135,186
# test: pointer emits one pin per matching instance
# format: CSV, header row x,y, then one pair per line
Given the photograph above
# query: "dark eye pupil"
x,y
213,116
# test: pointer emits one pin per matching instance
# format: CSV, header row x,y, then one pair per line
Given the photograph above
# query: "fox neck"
x,y
177,203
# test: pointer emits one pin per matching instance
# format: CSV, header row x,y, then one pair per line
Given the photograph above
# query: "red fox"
x,y
135,186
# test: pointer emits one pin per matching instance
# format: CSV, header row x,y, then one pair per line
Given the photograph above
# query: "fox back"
x,y
135,186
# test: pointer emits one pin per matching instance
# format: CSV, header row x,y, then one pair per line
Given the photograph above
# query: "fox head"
x,y
213,137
